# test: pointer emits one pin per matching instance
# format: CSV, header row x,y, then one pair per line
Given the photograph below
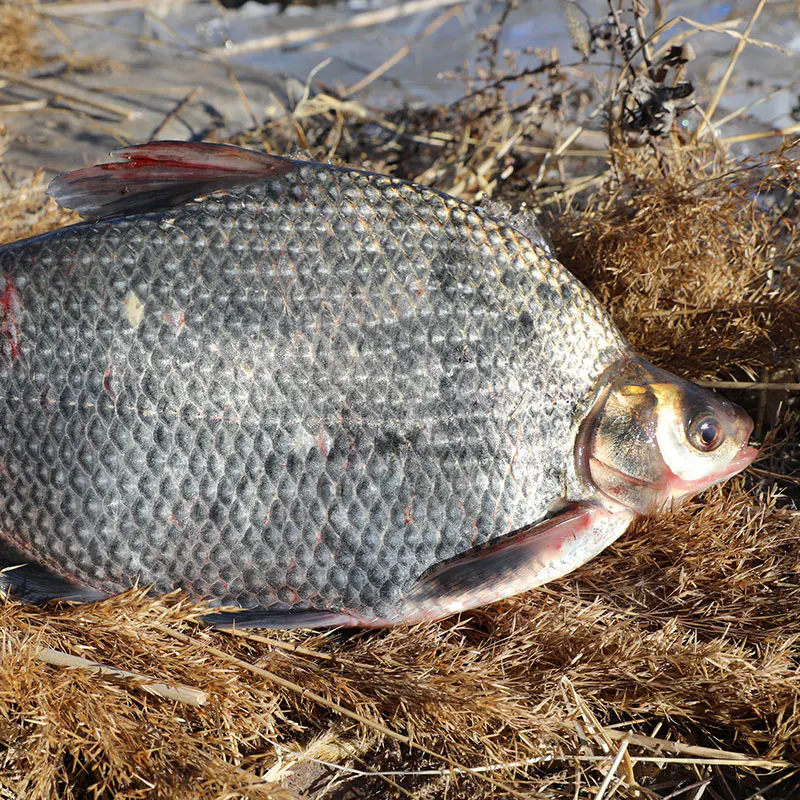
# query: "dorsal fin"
x,y
157,175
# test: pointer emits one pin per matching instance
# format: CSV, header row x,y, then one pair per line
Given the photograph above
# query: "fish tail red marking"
x,y
10,310
159,175
322,443
107,375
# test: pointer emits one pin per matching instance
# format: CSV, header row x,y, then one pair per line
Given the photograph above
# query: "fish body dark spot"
x,y
547,296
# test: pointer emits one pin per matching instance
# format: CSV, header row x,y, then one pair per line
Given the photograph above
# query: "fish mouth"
x,y
746,455
744,458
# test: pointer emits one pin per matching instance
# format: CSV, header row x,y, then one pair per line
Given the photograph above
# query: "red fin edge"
x,y
157,175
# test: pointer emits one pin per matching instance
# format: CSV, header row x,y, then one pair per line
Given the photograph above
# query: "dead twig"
x,y
723,84
178,692
365,19
757,795
403,51
61,90
750,137
180,105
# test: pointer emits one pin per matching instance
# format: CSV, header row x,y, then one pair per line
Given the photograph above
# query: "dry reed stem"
x,y
621,751
177,692
63,92
723,84
743,109
405,50
22,107
364,19
76,8
751,385
742,39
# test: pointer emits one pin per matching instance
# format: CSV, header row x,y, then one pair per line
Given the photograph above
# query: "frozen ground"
x,y
170,54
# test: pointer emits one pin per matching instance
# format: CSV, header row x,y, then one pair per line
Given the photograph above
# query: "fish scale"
x,y
299,394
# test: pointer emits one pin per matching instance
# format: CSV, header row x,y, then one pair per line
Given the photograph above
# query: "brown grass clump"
x,y
19,50
665,667
25,210
681,244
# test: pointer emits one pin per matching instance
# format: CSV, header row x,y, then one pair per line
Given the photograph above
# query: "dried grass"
x,y
19,49
25,209
667,663
673,245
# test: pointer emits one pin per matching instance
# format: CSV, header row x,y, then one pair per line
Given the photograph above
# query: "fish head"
x,y
653,440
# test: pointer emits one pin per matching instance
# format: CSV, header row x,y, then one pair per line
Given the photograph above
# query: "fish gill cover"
x,y
666,665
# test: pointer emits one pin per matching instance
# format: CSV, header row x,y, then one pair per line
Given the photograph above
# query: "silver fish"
x,y
321,395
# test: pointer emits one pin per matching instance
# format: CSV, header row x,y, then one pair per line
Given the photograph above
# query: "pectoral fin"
x,y
515,563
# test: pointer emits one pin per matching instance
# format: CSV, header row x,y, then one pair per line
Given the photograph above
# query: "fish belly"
x,y
302,394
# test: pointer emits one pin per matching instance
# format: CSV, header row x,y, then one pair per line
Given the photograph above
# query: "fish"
x,y
313,395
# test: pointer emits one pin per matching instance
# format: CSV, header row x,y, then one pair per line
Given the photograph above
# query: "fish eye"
x,y
705,433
